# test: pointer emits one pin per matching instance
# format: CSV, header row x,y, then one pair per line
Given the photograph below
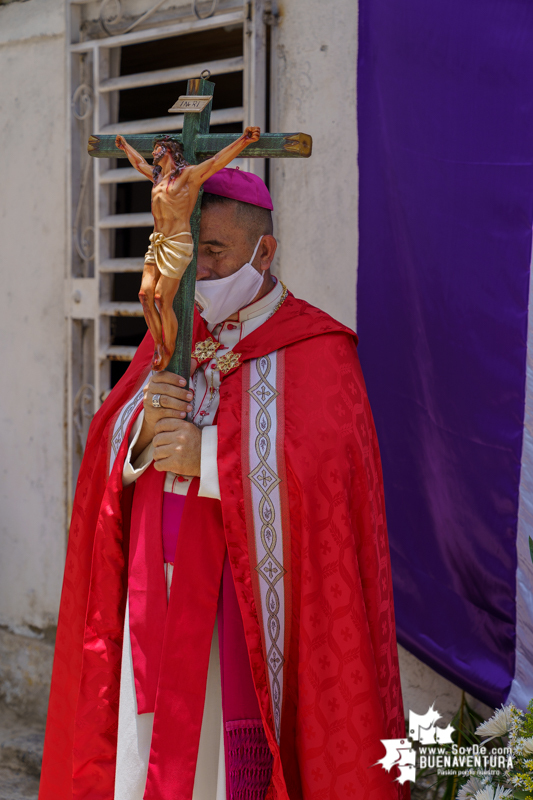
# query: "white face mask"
x,y
221,298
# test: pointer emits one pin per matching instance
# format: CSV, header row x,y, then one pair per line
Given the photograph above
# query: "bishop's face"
x,y
223,246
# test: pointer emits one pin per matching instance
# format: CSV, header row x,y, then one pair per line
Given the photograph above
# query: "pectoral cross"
x,y
198,145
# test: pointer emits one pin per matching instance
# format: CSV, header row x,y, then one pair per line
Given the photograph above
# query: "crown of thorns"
x,y
175,147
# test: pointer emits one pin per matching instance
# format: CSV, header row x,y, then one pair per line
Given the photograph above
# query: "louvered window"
x,y
125,73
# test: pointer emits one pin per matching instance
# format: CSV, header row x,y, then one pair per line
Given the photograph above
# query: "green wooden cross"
x,y
199,144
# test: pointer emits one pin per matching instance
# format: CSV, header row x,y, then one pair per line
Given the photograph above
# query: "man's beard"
x,y
178,161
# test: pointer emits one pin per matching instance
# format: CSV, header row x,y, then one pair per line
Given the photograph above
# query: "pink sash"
x,y
146,584
189,628
173,505
171,646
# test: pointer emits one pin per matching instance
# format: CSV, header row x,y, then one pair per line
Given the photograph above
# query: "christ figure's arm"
x,y
207,168
135,158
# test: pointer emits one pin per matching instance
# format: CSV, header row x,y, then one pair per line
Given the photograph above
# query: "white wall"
x,y
32,333
314,82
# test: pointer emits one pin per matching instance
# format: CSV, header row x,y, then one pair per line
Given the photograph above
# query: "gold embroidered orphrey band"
x,y
267,514
207,349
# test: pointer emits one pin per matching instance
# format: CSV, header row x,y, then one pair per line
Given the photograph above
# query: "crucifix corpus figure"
x,y
176,185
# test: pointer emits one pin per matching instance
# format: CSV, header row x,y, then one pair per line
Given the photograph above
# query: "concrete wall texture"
x,y
32,327
314,59
314,91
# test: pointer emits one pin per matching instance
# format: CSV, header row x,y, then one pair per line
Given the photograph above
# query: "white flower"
x,y
493,793
498,725
501,791
516,725
527,745
469,789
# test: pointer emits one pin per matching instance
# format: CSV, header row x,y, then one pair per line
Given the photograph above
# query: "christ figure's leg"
x,y
165,291
149,281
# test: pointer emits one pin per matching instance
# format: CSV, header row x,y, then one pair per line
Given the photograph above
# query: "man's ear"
x,y
267,251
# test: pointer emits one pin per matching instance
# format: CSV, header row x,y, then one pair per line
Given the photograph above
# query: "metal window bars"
x,y
94,86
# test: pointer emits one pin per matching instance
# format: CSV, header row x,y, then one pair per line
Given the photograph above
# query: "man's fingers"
x,y
172,434
169,390
163,450
169,423
167,402
165,439
164,465
161,453
158,414
169,377
172,401
178,450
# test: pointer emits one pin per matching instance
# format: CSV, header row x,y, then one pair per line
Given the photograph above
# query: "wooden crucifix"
x,y
198,147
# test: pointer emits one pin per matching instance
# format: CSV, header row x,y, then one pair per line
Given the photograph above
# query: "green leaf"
x,y
517,792
531,547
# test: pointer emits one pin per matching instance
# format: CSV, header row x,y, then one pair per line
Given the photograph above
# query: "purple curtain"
x,y
445,108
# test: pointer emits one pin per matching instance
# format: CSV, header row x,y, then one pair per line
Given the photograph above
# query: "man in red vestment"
x,y
227,626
